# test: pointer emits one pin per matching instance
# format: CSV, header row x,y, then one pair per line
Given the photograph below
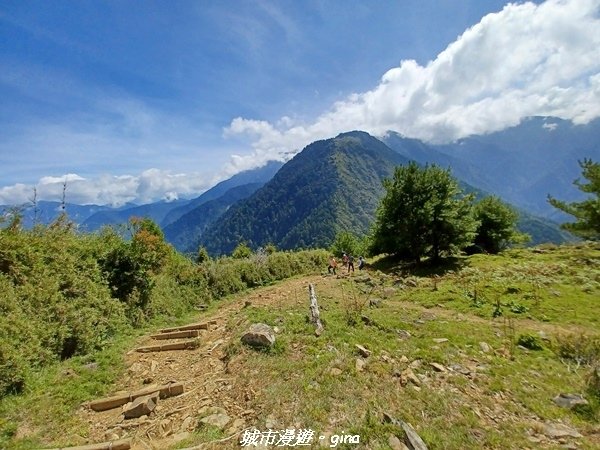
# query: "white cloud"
x,y
524,60
150,185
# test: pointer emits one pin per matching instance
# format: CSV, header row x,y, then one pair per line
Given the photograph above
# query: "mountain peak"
x,y
354,133
331,185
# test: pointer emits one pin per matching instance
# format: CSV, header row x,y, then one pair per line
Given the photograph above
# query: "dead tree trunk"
x,y
314,311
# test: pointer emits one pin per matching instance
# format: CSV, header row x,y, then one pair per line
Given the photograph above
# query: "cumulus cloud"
x,y
522,61
150,185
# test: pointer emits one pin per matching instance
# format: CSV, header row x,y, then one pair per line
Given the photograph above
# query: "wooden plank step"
x,y
122,444
165,391
193,326
185,345
177,334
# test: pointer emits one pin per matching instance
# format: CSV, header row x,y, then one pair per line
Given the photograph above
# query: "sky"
x,y
130,101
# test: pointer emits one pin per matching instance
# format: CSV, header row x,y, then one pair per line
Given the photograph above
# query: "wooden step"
x,y
176,334
165,391
184,345
123,444
193,326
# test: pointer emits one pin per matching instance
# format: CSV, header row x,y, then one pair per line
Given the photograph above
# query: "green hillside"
x,y
186,230
332,185
470,353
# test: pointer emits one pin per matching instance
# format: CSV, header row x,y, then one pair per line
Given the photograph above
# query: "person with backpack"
x,y
332,265
361,263
350,263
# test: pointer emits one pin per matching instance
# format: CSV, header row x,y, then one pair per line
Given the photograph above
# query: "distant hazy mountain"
x,y
46,212
165,213
424,153
259,175
186,231
525,163
332,185
155,211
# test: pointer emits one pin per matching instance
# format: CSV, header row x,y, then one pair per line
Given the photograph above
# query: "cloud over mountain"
x,y
150,185
525,60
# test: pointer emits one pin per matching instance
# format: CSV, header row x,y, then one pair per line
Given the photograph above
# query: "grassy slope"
x,y
498,399
504,400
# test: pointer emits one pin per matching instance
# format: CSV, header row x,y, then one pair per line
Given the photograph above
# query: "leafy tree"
x,y
270,249
346,242
202,255
586,212
423,213
129,267
241,251
497,221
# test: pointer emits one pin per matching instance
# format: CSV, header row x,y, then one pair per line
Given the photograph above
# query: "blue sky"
x,y
138,101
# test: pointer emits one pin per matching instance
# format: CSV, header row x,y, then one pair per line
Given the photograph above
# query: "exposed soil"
x,y
211,380
208,380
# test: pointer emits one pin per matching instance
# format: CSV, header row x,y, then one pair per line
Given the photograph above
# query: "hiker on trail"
x,y
345,260
361,263
350,263
332,265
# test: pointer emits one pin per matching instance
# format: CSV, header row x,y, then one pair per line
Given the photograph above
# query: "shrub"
x,y
63,293
581,348
530,341
241,251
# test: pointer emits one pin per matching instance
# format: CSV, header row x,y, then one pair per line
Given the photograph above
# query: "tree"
x,y
497,221
202,256
131,265
423,213
241,251
586,212
346,242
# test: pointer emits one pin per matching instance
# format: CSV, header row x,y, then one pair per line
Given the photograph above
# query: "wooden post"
x,y
166,391
123,444
193,326
314,311
413,440
177,334
185,345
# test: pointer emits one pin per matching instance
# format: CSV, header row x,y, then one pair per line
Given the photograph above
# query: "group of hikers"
x,y
347,261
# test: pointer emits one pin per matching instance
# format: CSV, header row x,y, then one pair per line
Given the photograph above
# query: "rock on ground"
x,y
259,335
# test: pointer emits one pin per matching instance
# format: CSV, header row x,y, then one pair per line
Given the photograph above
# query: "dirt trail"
x,y
209,381
204,373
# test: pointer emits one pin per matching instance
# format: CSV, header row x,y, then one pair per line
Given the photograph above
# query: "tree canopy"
x,y
586,212
423,213
497,222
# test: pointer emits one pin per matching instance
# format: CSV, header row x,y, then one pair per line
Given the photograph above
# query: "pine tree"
x,y
586,212
497,222
423,213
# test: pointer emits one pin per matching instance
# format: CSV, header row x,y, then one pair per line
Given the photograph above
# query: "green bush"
x,y
530,341
54,302
581,348
63,293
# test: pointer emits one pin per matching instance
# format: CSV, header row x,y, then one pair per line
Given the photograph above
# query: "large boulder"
x,y
259,335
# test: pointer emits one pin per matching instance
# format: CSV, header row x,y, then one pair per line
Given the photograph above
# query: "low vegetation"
x,y
67,295
511,331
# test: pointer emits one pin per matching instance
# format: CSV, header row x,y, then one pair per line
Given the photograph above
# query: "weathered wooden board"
x,y
193,326
176,334
165,391
123,444
185,345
